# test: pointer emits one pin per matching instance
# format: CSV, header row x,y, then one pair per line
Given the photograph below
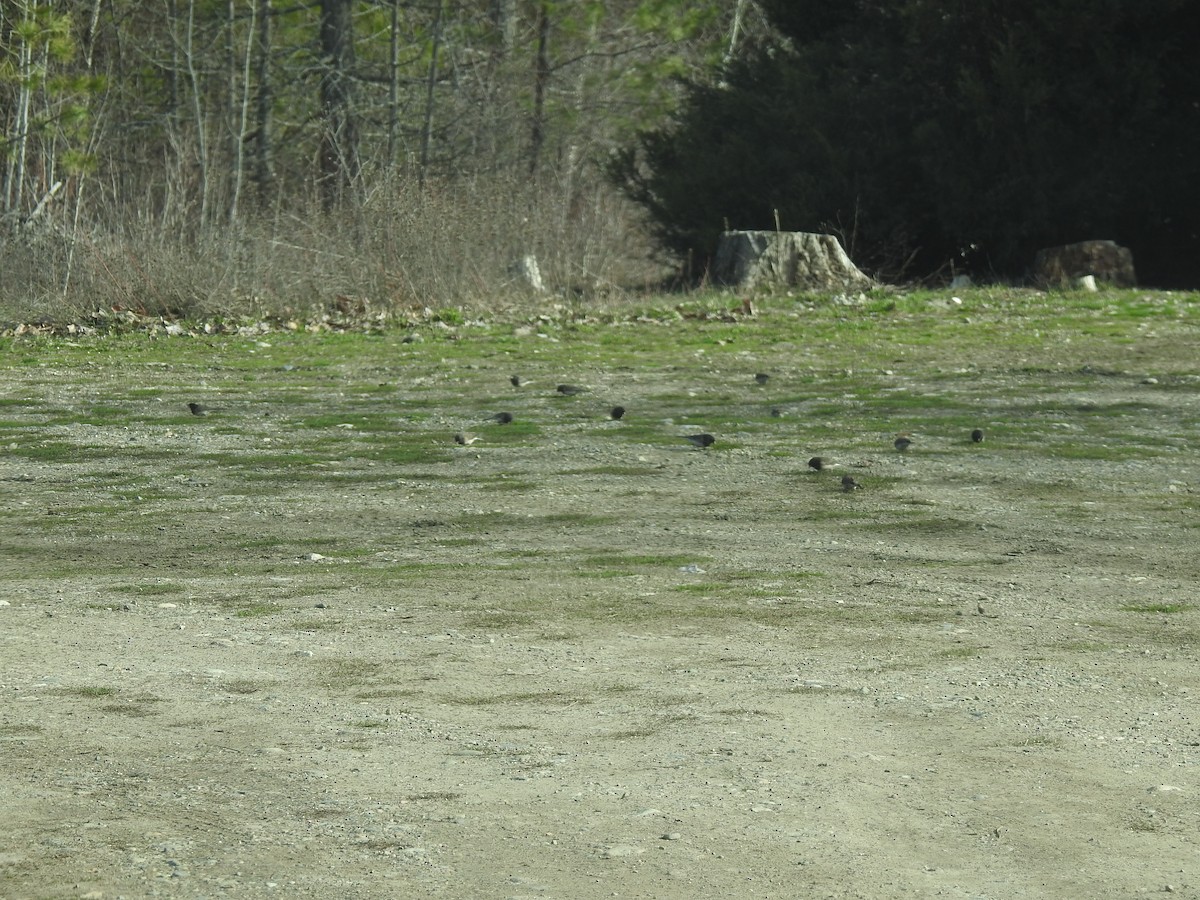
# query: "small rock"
x,y
672,836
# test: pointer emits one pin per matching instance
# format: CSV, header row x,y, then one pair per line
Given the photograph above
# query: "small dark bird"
x,y
849,484
617,412
198,409
701,440
762,378
569,390
465,438
977,436
902,442
776,412
503,417
816,464
516,380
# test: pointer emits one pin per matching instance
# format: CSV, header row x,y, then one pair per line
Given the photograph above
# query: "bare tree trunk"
x,y
201,131
263,174
229,120
173,73
339,143
735,30
541,78
18,137
393,122
503,14
243,123
427,127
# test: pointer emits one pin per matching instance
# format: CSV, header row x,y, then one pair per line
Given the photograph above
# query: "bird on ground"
x,y
762,378
503,418
849,484
701,440
570,390
465,438
977,436
198,409
776,412
816,464
617,412
902,442
516,381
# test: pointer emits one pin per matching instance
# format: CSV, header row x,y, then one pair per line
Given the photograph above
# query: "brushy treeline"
x,y
196,156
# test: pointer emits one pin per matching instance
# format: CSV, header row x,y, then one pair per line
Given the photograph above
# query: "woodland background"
x,y
198,157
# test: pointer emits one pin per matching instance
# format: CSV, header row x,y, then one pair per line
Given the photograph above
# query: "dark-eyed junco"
x,y
570,390
198,409
816,464
701,440
902,442
849,484
762,378
503,417
465,438
617,412
977,436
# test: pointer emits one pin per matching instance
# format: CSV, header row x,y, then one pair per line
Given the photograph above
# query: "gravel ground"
x,y
577,664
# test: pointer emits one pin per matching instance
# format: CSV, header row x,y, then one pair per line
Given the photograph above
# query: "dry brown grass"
x,y
449,243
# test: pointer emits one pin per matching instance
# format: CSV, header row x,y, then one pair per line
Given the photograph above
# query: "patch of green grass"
x,y
497,619
244,685
551,697
150,589
1156,607
257,610
652,728
510,485
1100,452
132,710
87,691
318,625
503,520
700,587
347,672
608,560
60,452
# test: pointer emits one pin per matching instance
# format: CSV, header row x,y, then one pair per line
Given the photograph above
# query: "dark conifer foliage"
x,y
934,131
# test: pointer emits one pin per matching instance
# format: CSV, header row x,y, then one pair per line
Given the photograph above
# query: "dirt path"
x,y
582,661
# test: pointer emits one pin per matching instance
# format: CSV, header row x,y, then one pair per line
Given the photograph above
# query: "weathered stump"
x,y
750,260
1059,267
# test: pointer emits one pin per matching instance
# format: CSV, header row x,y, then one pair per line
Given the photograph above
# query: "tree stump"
x,y
750,260
1059,267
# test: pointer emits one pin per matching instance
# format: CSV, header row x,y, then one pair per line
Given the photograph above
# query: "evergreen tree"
x,y
927,130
